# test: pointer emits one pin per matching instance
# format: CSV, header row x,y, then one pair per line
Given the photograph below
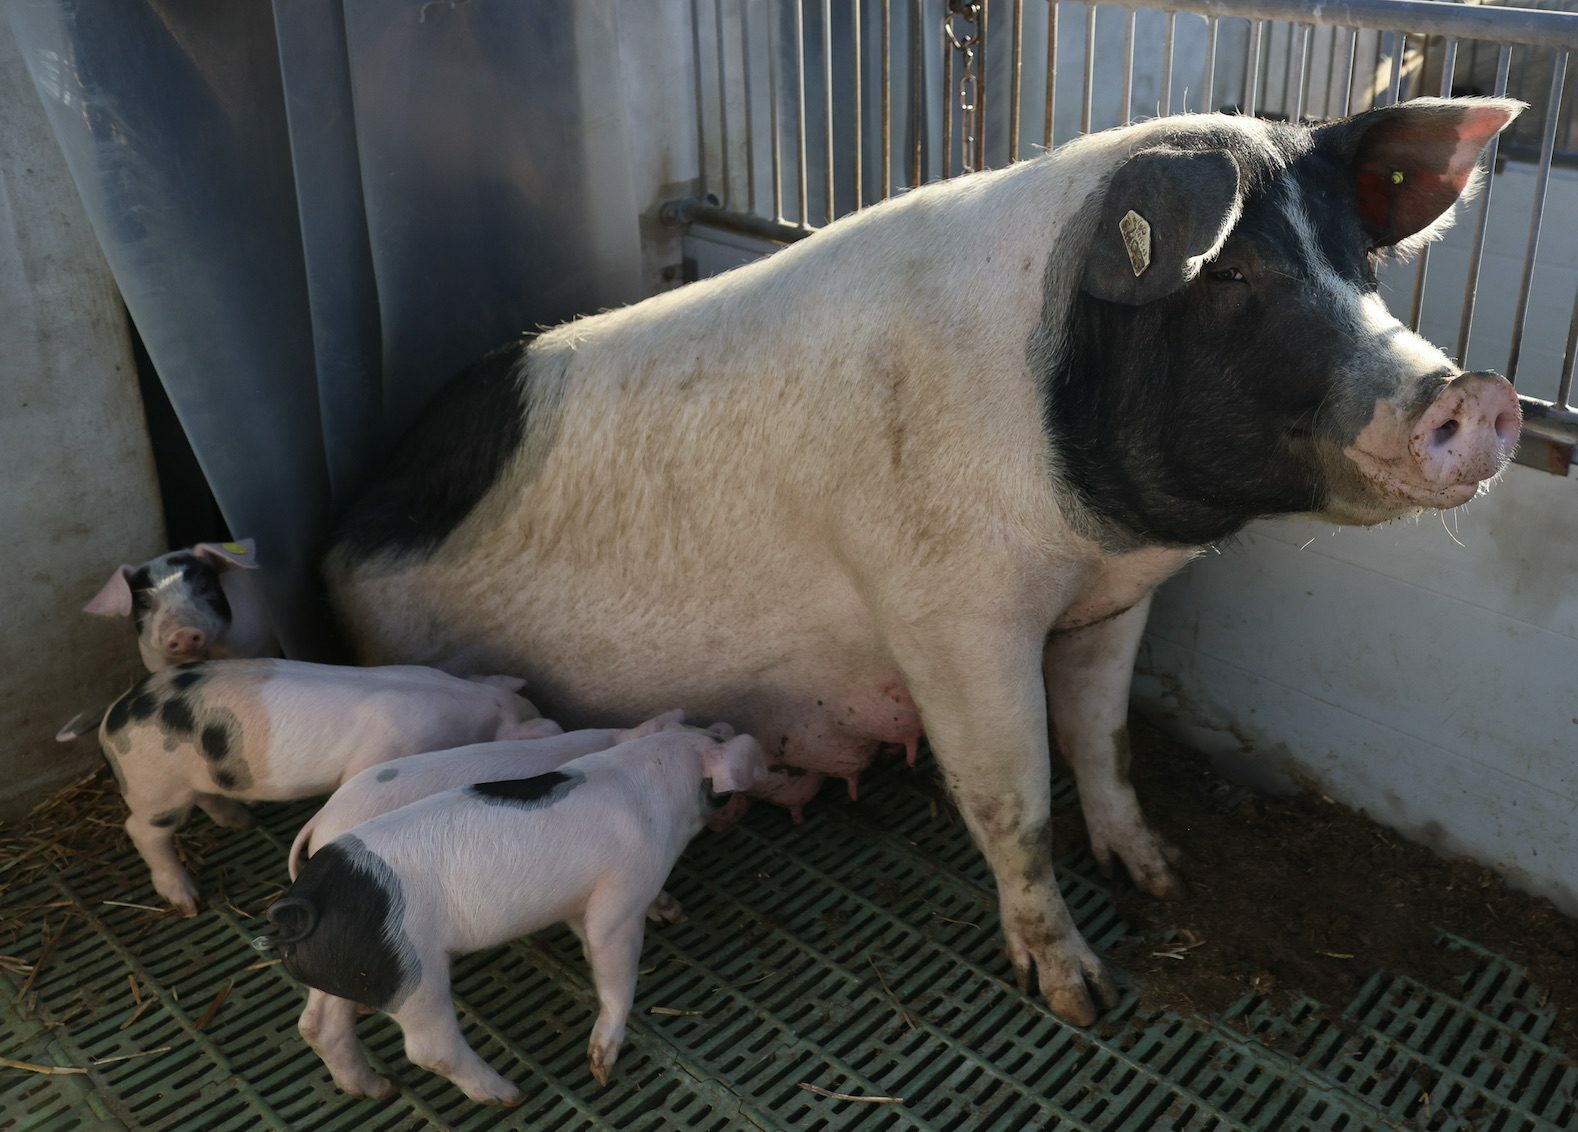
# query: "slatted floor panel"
x,y
857,952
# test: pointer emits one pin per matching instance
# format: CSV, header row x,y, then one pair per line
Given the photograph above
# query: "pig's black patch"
x,y
443,466
341,927
215,741
536,793
167,820
388,774
177,716
225,778
199,582
120,711
183,680
142,706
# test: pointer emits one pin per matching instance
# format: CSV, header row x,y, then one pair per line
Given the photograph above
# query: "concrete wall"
x,y
79,494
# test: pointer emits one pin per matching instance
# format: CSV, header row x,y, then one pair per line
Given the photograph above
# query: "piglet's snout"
x,y
185,642
1468,432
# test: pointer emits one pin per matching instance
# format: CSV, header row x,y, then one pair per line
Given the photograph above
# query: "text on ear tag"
x,y
1136,240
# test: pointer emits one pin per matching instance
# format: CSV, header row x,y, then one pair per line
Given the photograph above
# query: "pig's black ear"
x,y
1412,160
1166,212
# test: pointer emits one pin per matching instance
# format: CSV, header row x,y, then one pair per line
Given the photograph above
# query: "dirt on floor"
x,y
1301,895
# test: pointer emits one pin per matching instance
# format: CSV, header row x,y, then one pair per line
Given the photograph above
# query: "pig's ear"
x,y
733,766
1412,160
242,553
115,599
1165,214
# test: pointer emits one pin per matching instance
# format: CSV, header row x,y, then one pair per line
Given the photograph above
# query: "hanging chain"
x,y
967,12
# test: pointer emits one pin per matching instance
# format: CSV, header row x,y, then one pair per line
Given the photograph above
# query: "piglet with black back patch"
x,y
217,733
376,914
200,603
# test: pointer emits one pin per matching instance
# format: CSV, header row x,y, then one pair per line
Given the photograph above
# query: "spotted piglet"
x,y
376,914
216,733
194,604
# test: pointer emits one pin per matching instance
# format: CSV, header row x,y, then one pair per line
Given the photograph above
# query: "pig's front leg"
x,y
1088,673
611,937
979,690
329,1026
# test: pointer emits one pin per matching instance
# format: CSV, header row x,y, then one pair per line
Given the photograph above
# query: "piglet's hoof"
x,y
601,1062
665,910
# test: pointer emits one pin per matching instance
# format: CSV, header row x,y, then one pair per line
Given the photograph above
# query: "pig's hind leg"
x,y
226,812
329,1026
611,937
433,1039
152,830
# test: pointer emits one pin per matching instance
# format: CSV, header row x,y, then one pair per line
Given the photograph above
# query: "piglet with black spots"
x,y
200,603
218,733
376,914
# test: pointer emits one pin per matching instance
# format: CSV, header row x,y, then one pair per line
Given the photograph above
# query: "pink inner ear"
x,y
115,599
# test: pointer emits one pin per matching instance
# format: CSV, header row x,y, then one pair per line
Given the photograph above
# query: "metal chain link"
x,y
968,12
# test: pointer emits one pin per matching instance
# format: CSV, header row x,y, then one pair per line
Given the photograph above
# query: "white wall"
x,y
79,494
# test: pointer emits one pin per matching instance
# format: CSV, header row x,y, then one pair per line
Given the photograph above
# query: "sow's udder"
x,y
1465,436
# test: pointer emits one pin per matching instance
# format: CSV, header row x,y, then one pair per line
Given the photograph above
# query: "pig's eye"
x,y
1226,275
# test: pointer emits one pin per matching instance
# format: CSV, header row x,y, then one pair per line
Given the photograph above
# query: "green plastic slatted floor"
x,y
857,953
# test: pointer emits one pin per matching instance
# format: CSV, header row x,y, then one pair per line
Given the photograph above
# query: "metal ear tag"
x,y
1136,232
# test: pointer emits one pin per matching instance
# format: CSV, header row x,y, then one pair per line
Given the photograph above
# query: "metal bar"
x,y
1448,66
799,102
1252,67
1016,52
1461,21
1394,85
827,104
1564,387
718,217
750,106
981,88
701,94
723,99
1208,87
917,89
887,99
1090,64
1302,74
1471,286
1126,105
1347,78
1542,180
1168,35
947,100
858,153
1051,100
773,109
1287,74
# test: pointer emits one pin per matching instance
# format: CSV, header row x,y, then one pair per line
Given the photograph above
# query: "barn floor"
x,y
856,953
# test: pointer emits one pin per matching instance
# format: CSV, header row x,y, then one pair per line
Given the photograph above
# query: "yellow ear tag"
x,y
1397,176
1136,232
234,547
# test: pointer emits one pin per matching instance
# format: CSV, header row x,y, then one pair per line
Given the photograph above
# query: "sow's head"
x,y
1228,355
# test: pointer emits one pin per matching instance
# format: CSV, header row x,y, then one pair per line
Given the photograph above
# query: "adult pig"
x,y
195,604
220,732
376,914
927,467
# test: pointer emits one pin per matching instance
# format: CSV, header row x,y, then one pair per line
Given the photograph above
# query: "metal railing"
x,y
810,109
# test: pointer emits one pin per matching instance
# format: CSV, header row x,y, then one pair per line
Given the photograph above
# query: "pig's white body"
x,y
221,732
459,871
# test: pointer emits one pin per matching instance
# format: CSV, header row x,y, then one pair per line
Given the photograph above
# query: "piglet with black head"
x,y
200,603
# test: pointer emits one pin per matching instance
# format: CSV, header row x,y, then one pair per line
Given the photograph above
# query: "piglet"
x,y
195,604
376,913
218,732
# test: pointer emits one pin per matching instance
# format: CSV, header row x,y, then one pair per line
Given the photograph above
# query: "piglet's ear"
x,y
738,764
115,599
1166,212
1412,160
242,553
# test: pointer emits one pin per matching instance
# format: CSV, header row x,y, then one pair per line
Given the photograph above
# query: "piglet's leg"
x,y
1088,673
433,1039
329,1026
154,836
664,910
613,948
226,811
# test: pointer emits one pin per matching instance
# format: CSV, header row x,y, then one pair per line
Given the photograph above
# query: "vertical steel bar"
x,y
1252,67
1208,88
1090,64
1050,109
860,108
1287,73
1471,286
917,90
887,99
723,101
1448,66
1394,83
750,108
1126,104
1168,36
701,94
1016,50
1347,74
1541,181
1564,387
1302,72
773,109
1374,95
982,86
827,106
799,103
947,99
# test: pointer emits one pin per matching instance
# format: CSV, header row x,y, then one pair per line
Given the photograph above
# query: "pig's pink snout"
x,y
185,642
1468,432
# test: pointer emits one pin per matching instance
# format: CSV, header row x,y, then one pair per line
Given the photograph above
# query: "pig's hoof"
x,y
502,1093
1068,974
600,1061
373,1088
181,893
665,910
